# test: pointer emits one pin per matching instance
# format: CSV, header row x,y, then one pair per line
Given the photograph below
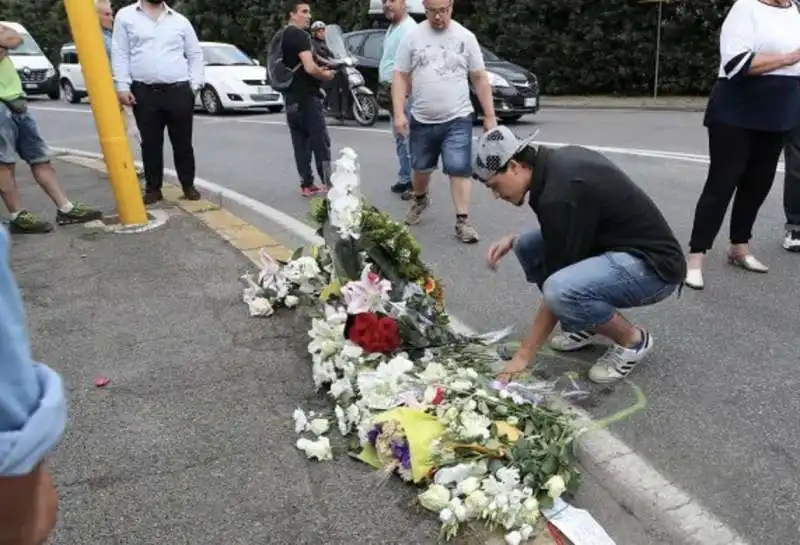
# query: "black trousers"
x,y
309,133
791,182
169,106
743,162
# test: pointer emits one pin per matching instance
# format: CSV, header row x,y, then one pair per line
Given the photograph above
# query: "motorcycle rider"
x,y
336,90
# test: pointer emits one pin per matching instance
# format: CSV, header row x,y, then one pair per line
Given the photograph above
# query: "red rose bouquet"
x,y
373,332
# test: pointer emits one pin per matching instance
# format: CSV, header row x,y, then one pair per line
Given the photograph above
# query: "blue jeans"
x,y
452,141
20,139
403,155
586,294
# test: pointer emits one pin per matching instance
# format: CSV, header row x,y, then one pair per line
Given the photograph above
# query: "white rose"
x,y
461,513
446,515
434,498
468,486
460,385
476,502
555,486
318,426
291,301
300,420
319,449
526,531
512,420
513,538
531,504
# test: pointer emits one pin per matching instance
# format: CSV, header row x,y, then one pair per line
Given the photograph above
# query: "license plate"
x,y
31,86
531,102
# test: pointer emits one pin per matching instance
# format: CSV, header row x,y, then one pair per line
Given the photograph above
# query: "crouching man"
x,y
602,245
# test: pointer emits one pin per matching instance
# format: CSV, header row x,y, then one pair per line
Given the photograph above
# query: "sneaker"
x,y
791,242
26,223
465,232
618,362
80,213
310,191
419,203
401,187
407,194
570,341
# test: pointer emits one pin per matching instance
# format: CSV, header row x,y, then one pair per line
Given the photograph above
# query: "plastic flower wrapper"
x,y
390,444
419,429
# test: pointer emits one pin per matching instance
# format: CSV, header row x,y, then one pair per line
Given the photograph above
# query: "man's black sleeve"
x,y
297,40
568,229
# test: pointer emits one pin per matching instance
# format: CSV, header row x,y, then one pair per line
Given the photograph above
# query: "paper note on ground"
x,y
577,525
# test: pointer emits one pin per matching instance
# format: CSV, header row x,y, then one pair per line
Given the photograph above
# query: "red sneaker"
x,y
310,191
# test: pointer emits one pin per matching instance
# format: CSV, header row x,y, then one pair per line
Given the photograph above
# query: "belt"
x,y
160,86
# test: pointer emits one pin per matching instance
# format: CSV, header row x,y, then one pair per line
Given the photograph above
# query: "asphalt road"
x,y
721,384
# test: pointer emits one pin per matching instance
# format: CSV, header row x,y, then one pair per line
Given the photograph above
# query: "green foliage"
x,y
578,47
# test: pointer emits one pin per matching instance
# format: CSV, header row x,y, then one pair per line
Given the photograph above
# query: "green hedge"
x,y
577,47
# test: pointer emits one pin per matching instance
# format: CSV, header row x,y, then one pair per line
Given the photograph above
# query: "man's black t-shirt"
x,y
587,206
304,86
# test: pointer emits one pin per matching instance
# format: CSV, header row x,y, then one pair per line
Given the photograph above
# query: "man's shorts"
x,y
452,141
20,139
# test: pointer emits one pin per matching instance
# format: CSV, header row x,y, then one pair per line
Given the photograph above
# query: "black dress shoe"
x,y
401,187
152,196
191,194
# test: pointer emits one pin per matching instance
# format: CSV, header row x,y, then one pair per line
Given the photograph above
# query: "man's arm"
x,y
121,55
298,40
401,78
543,325
194,54
480,79
9,38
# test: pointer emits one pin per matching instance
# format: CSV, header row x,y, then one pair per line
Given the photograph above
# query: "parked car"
x,y
234,81
37,73
515,90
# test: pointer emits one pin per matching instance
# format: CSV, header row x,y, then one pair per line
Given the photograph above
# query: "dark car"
x,y
515,90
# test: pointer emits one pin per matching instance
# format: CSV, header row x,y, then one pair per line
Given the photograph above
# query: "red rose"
x,y
373,333
439,397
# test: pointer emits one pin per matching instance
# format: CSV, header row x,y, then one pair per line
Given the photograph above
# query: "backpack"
x,y
279,76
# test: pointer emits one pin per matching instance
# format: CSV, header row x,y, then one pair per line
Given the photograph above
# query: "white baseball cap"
x,y
495,148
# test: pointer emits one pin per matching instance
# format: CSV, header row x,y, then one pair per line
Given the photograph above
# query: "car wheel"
x,y
55,94
211,102
68,93
511,118
275,109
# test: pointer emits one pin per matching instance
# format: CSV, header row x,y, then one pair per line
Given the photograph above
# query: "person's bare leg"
x,y
620,330
45,176
460,189
8,189
420,182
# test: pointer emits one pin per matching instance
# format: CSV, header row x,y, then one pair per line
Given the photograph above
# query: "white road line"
x,y
634,152
629,478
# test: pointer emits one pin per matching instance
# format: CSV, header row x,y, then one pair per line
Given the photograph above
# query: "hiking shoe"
x,y
419,203
152,196
191,194
26,223
80,213
791,242
465,232
618,362
407,194
567,342
310,191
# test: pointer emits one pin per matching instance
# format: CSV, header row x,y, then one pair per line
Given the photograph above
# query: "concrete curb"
x,y
628,478
645,104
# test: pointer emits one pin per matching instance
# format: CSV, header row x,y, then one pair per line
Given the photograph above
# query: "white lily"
x,y
369,294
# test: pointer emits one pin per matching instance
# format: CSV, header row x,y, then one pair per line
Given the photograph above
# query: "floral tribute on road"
x,y
414,397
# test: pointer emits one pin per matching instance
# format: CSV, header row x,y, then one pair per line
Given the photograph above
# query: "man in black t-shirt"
x,y
304,113
602,244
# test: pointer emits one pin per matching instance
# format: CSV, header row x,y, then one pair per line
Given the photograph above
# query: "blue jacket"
x,y
33,409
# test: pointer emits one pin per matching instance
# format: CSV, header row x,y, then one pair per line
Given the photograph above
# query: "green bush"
x,y
578,47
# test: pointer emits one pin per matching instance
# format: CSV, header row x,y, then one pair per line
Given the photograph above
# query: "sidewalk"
x,y
669,103
192,440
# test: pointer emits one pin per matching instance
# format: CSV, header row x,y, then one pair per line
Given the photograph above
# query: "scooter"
x,y
358,102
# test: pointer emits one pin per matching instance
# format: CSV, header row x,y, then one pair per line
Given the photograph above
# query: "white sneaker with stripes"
x,y
568,342
618,362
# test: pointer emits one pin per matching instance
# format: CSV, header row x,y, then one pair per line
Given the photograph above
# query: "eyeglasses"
x,y
439,11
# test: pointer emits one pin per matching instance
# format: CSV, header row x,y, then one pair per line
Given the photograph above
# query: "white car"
x,y
234,81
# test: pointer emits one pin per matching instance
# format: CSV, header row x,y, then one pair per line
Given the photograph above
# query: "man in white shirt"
x,y
435,61
401,23
158,68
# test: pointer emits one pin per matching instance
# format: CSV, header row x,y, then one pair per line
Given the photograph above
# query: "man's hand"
x,y
401,124
499,249
126,98
513,368
489,123
327,74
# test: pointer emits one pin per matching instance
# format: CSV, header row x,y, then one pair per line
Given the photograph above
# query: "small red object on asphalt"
x,y
99,382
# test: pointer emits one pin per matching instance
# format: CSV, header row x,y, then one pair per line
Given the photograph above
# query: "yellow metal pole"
x,y
86,32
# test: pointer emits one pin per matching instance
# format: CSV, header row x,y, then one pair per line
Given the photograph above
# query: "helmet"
x,y
317,25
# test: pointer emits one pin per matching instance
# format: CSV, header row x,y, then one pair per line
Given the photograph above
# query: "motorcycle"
x,y
358,102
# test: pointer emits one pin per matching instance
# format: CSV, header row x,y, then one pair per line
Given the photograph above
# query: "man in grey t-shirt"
x,y
434,61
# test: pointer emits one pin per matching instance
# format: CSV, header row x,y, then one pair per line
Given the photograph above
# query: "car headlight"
x,y
498,81
50,72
